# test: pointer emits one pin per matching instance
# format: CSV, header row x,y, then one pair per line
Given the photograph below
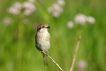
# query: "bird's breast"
x,y
43,40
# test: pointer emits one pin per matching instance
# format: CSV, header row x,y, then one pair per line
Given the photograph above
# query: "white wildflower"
x,y
31,1
15,8
27,12
17,5
29,8
61,2
70,24
80,19
90,19
56,14
55,10
7,21
81,65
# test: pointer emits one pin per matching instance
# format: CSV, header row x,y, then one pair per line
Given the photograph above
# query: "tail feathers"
x,y
45,60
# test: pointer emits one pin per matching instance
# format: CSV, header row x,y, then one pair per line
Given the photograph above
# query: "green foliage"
x,y
17,45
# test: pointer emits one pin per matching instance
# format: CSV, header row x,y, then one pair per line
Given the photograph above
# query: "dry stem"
x,y
74,57
52,60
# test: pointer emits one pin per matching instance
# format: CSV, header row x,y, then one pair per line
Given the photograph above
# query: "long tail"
x,y
45,60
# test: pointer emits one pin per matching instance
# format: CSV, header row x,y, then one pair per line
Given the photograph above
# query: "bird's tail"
x,y
45,60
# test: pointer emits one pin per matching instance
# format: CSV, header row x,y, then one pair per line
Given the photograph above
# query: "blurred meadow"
x,y
68,19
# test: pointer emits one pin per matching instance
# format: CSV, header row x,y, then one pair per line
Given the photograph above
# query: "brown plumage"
x,y
42,39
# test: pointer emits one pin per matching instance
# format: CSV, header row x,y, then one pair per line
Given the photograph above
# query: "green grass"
x,y
17,45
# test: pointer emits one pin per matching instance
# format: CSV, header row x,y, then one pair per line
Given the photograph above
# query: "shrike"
x,y
42,40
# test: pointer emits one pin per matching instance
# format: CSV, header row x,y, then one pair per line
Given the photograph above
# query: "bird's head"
x,y
42,27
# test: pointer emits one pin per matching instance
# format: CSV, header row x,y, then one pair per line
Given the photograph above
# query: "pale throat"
x,y
44,32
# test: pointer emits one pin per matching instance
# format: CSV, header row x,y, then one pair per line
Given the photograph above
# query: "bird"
x,y
42,41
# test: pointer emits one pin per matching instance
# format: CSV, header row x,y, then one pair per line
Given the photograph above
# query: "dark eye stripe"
x,y
40,27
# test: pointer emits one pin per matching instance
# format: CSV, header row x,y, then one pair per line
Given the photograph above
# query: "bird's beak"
x,y
48,27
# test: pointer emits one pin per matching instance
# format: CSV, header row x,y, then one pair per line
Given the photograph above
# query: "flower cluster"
x,y
7,21
31,1
82,19
90,19
61,2
70,24
15,8
56,8
81,65
27,6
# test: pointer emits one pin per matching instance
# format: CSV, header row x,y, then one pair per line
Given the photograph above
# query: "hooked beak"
x,y
48,27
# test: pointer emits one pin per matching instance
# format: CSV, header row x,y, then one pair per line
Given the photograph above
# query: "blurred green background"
x,y
17,45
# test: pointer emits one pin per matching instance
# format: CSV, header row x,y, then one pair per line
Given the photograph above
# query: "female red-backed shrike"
x,y
42,40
